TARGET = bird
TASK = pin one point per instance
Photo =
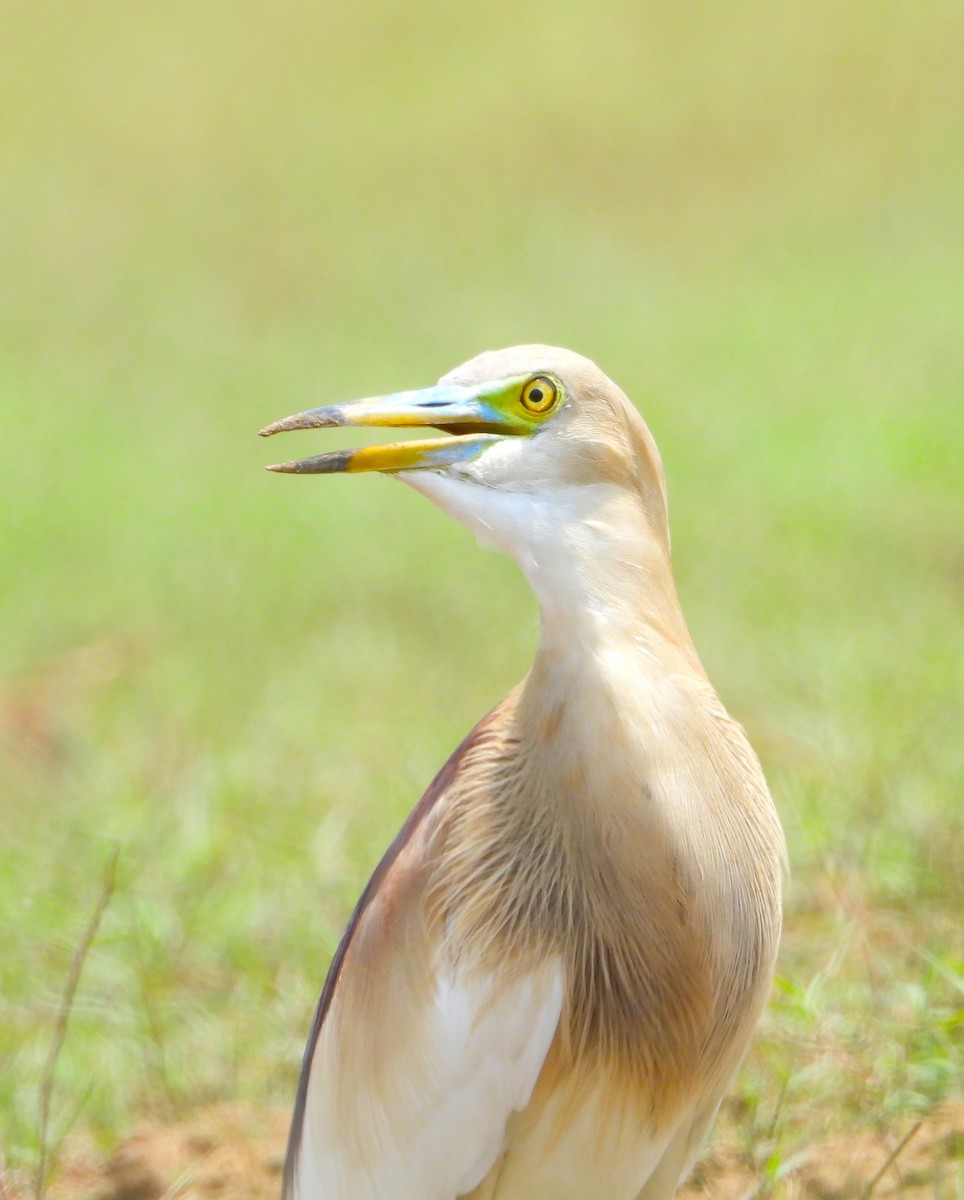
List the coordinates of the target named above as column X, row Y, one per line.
column 554, row 972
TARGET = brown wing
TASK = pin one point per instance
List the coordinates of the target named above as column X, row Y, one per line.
column 436, row 789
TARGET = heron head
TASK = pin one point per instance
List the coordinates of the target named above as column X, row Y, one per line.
column 534, row 436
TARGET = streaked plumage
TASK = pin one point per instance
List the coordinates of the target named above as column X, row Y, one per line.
column 554, row 973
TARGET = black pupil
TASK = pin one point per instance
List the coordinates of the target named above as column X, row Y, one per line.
column 535, row 395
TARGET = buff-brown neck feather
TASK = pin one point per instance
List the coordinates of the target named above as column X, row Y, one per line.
column 603, row 817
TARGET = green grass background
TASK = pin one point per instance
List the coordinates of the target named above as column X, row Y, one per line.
column 214, row 214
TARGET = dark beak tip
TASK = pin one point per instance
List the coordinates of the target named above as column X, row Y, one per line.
column 329, row 418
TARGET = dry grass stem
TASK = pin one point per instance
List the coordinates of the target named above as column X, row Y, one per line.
column 49, row 1076
column 889, row 1162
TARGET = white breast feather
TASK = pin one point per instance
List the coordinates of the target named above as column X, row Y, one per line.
column 486, row 1045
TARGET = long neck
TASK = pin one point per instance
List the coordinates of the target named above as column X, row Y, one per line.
column 614, row 645
column 610, row 615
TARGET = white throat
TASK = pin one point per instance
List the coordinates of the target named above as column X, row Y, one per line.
column 598, row 570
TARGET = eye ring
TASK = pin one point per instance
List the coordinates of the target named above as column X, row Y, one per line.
column 539, row 394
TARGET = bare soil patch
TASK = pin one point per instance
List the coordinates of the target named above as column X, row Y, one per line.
column 235, row 1152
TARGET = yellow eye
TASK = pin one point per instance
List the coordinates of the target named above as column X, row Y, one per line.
column 539, row 394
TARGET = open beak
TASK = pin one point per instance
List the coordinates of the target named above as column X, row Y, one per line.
column 468, row 412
